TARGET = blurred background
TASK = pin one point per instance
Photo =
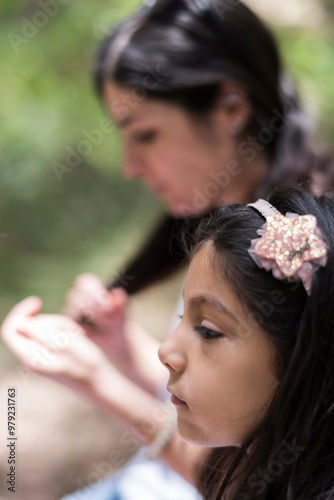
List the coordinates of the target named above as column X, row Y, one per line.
column 54, row 227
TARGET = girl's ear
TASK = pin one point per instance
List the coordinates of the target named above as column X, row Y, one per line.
column 235, row 109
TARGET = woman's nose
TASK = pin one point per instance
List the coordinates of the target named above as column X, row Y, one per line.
column 132, row 169
column 171, row 355
column 133, row 165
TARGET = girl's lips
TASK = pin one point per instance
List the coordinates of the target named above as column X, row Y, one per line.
column 176, row 401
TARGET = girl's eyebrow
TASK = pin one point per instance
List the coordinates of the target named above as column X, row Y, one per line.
column 213, row 302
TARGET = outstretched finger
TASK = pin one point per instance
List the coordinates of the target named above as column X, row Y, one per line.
column 118, row 300
column 26, row 308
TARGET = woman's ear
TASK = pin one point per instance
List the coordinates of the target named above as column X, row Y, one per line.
column 235, row 109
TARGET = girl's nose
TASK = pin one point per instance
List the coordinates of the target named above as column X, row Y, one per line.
column 171, row 355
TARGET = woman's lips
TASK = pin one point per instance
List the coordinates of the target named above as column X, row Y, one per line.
column 160, row 190
column 157, row 189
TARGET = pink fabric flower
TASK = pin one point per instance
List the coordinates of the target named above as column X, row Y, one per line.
column 290, row 246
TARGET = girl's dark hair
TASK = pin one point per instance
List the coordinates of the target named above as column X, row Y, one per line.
column 182, row 54
column 290, row 455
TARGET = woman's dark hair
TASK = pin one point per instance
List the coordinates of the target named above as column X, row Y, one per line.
column 290, row 455
column 181, row 53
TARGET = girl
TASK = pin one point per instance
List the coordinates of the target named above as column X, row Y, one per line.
column 251, row 364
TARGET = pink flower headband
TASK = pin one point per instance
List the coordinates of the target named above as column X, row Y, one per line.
column 291, row 246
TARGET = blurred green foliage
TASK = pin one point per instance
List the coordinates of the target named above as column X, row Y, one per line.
column 89, row 221
column 310, row 58
column 93, row 219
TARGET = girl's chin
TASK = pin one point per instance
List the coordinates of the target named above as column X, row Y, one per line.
column 190, row 433
column 198, row 436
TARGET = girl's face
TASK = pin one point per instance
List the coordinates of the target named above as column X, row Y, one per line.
column 221, row 368
column 186, row 164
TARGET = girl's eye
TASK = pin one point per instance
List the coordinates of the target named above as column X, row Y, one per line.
column 145, row 137
column 206, row 333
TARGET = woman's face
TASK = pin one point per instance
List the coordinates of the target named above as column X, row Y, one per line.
column 221, row 369
column 186, row 164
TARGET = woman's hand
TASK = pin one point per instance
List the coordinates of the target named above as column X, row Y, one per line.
column 52, row 345
column 101, row 313
column 105, row 321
